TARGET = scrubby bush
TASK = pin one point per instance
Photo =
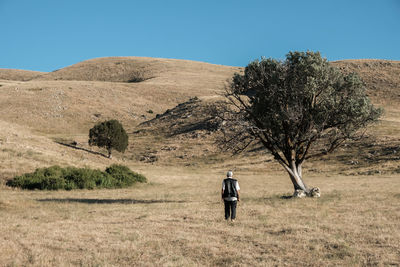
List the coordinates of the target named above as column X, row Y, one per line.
column 55, row 177
column 43, row 178
column 124, row 176
column 86, row 178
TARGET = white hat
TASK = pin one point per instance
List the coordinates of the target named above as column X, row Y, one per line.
column 229, row 174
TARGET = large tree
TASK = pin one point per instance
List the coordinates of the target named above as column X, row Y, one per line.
column 110, row 135
column 288, row 106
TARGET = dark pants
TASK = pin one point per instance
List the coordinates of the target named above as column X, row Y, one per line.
column 230, row 209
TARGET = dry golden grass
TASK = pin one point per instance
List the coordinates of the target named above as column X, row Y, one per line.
column 124, row 69
column 23, row 151
column 72, row 99
column 19, row 75
column 177, row 218
column 382, row 78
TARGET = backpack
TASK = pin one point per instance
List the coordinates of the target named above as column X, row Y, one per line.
column 230, row 188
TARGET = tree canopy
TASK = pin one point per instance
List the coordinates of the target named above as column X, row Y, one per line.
column 290, row 105
column 110, row 135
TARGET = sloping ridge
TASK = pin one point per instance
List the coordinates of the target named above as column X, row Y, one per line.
column 192, row 120
column 23, row 150
column 69, row 101
column 19, row 75
column 130, row 69
column 381, row 77
column 72, row 99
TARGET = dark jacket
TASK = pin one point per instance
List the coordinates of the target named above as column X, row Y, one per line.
column 230, row 188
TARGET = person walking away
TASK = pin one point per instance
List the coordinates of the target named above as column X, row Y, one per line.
column 230, row 195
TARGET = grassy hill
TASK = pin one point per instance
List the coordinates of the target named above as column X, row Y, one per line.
column 153, row 98
column 19, row 75
column 382, row 78
column 188, row 122
column 63, row 105
column 176, row 219
column 137, row 69
column 71, row 99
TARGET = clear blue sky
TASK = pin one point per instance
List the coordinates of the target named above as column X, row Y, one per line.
column 46, row 35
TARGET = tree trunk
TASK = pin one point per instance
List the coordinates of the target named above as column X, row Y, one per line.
column 300, row 188
column 298, row 183
column 295, row 174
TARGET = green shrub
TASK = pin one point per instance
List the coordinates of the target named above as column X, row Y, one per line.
column 124, row 176
column 55, row 177
column 43, row 178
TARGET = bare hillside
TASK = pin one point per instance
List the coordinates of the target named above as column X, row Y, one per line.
column 137, row 69
column 382, row 78
column 19, row 75
column 72, row 99
column 22, row 150
column 166, row 122
column 189, row 122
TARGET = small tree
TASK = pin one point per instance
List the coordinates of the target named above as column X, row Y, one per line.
column 290, row 105
column 109, row 134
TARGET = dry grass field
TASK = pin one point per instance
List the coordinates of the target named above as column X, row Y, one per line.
column 176, row 219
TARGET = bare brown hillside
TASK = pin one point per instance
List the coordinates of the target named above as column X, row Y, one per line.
column 19, row 75
column 154, row 100
column 137, row 69
column 72, row 99
column 189, row 122
column 382, row 78
column 49, row 108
